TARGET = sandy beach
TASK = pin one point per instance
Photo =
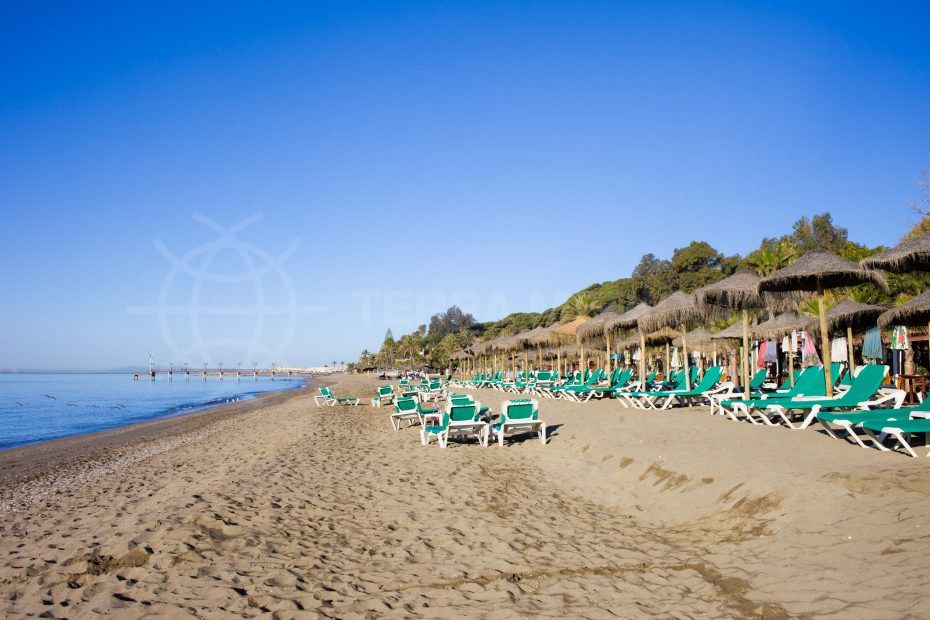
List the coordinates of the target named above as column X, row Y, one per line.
column 279, row 506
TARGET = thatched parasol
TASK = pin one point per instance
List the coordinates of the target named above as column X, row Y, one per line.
column 597, row 327
column 913, row 312
column 697, row 336
column 738, row 292
column 849, row 315
column 568, row 332
column 677, row 309
column 780, row 326
column 529, row 340
column 628, row 320
column 910, row 255
column 548, row 336
column 732, row 332
column 816, row 272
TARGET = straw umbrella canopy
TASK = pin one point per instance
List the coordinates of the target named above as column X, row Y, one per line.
column 547, row 336
column 568, row 332
column 508, row 344
column 849, row 315
column 913, row 312
column 738, row 292
column 697, row 336
column 779, row 326
column 529, row 340
column 816, row 272
column 910, row 255
column 629, row 320
column 597, row 327
column 733, row 332
column 677, row 309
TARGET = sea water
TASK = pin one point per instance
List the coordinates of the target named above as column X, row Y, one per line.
column 37, row 407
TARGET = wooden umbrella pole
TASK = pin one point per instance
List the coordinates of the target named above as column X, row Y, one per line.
column 581, row 363
column 607, row 338
column 684, row 348
column 745, row 367
column 791, row 358
column 558, row 360
column 825, row 342
column 849, row 349
column 668, row 359
column 642, row 359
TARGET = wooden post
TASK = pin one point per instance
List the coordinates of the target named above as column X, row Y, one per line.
column 668, row 359
column 607, row 338
column 745, row 368
column 642, row 359
column 791, row 358
column 850, row 350
column 685, row 360
column 825, row 342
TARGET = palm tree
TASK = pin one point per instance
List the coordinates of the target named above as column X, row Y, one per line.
column 768, row 259
column 579, row 305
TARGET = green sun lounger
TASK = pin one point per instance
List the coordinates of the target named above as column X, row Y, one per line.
column 809, row 383
column 326, row 397
column 861, row 394
column 700, row 391
column 521, row 415
column 639, row 398
column 899, row 429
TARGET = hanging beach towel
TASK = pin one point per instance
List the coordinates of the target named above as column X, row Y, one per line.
column 760, row 354
column 838, row 351
column 771, row 352
column 809, row 352
column 872, row 344
column 676, row 361
column 899, row 338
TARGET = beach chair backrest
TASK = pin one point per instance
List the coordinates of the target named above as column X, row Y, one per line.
column 847, row 379
column 463, row 413
column 443, row 424
column 679, row 381
column 810, row 383
column 709, row 380
column 520, row 409
column 866, row 384
column 623, row 378
column 695, row 373
column 385, row 390
column 461, row 399
column 758, row 379
column 324, row 391
column 402, row 405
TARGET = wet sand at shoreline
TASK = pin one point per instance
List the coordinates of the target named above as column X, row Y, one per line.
column 279, row 506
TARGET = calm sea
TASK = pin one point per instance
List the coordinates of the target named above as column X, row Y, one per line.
column 38, row 407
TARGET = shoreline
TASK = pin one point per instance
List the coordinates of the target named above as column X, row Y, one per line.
column 21, row 464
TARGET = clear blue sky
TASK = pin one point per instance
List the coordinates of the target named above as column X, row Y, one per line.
column 496, row 154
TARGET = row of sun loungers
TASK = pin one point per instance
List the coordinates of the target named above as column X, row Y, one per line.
column 863, row 409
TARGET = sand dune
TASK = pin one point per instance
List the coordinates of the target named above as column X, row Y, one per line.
column 297, row 510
